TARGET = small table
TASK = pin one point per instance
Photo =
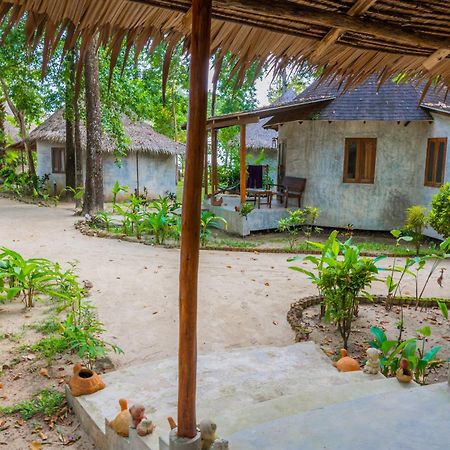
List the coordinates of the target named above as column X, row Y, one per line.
column 257, row 194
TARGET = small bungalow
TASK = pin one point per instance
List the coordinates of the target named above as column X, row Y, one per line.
column 150, row 164
column 367, row 153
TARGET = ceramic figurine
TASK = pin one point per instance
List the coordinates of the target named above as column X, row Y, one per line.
column 220, row 444
column 123, row 420
column 137, row 414
column 347, row 364
column 403, row 374
column 145, row 427
column 372, row 366
column 172, row 423
column 84, row 381
column 208, row 433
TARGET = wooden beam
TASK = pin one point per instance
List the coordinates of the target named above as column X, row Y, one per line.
column 261, row 12
column 231, row 122
column 214, row 177
column 190, row 226
column 333, row 35
column 438, row 56
column 243, row 164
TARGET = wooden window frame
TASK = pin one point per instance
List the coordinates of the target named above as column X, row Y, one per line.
column 358, row 179
column 58, row 166
column 433, row 182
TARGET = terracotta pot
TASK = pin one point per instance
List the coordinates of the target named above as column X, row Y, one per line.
column 347, row 364
column 216, row 202
column 404, row 375
column 84, row 381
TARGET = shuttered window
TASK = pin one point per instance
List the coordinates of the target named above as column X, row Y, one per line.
column 359, row 161
column 58, row 160
column 435, row 164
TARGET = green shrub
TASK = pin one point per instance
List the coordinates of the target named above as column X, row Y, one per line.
column 292, row 225
column 416, row 222
column 342, row 276
column 440, row 211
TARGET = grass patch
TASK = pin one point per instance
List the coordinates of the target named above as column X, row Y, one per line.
column 48, row 326
column 50, row 346
column 232, row 243
column 45, row 402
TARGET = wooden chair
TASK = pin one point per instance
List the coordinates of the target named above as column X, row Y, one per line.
column 291, row 187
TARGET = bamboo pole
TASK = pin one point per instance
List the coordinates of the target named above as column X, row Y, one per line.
column 190, row 242
column 243, row 164
column 214, row 178
column 206, row 177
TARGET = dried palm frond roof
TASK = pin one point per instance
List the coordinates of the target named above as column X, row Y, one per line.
column 142, row 137
column 351, row 39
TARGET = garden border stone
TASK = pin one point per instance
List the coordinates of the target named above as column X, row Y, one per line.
column 295, row 313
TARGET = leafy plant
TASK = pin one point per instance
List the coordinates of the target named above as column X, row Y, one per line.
column 207, row 220
column 413, row 350
column 416, row 222
column 291, row 225
column 117, row 188
column 105, row 219
column 45, row 402
column 245, row 209
column 312, row 213
column 440, row 211
column 342, row 276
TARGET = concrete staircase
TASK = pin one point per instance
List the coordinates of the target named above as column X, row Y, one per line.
column 263, row 398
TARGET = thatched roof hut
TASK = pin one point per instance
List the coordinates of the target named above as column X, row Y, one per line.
column 142, row 137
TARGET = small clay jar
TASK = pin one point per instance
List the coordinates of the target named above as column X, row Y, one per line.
column 403, row 374
column 347, row 364
column 84, row 381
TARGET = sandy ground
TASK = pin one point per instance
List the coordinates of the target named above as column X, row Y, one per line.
column 243, row 297
column 243, row 301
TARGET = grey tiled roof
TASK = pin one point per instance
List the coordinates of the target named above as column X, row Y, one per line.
column 368, row 101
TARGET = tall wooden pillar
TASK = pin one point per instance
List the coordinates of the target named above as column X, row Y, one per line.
column 206, row 177
column 243, row 164
column 190, row 228
column 214, row 178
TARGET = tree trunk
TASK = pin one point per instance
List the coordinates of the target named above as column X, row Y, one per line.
column 70, row 120
column 2, row 129
column 78, row 146
column 93, row 195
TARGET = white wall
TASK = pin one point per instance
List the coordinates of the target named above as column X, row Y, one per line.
column 315, row 151
column 44, row 166
column 156, row 172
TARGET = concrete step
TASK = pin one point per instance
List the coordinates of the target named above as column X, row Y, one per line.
column 310, row 398
column 406, row 419
column 227, row 381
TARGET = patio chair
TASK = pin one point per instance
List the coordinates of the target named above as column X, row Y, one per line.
column 290, row 187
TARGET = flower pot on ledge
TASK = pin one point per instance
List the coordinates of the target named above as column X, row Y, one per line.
column 85, row 381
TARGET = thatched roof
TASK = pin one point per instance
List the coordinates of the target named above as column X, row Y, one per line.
column 352, row 39
column 143, row 138
column 368, row 101
column 257, row 137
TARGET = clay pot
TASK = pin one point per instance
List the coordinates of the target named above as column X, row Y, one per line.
column 347, row 364
column 216, row 201
column 403, row 374
column 123, row 421
column 84, row 381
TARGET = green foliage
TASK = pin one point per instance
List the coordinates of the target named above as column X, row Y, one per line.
column 292, row 224
column 341, row 276
column 440, row 211
column 207, row 220
column 27, row 277
column 46, row 402
column 245, row 209
column 416, row 222
column 117, row 189
column 413, row 350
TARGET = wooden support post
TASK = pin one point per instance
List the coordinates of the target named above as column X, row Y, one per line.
column 214, row 178
column 206, row 177
column 190, row 228
column 243, row 165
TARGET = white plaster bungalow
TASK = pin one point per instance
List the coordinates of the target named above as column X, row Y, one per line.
column 151, row 162
column 368, row 153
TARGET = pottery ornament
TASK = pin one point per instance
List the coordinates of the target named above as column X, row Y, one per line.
column 208, row 433
column 403, row 373
column 84, row 381
column 145, row 427
column 123, row 421
column 372, row 366
column 347, row 364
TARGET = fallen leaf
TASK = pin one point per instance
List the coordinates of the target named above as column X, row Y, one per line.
column 266, row 283
column 43, row 436
column 44, row 372
column 274, row 322
column 35, row 446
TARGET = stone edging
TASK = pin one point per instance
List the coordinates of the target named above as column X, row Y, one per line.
column 85, row 229
column 295, row 313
